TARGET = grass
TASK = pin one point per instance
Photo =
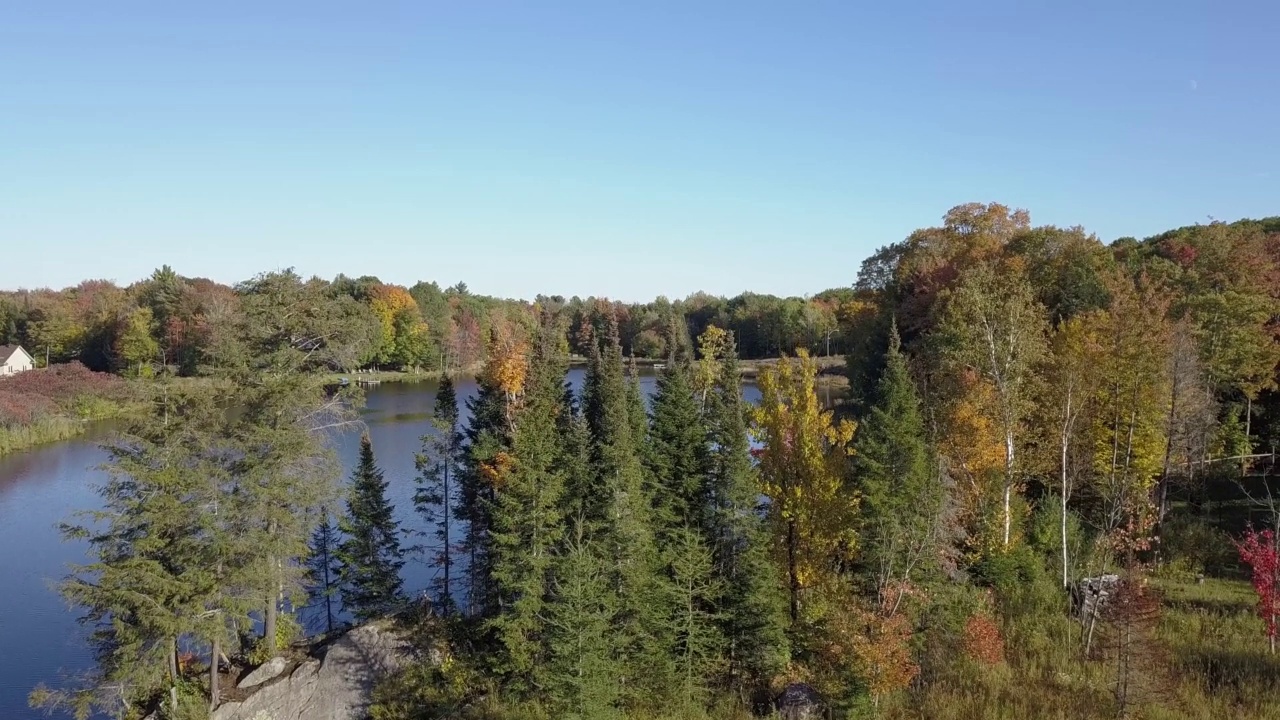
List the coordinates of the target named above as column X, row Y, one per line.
column 1210, row 661
column 46, row 429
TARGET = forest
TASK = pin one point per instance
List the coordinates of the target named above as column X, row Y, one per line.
column 1026, row 407
column 169, row 324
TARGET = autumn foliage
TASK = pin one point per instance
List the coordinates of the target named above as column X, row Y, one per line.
column 1258, row 550
column 983, row 641
column 802, row 467
column 28, row 396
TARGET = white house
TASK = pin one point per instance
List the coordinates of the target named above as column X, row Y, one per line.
column 13, row 360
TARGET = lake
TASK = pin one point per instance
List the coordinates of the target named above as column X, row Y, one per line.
column 40, row 639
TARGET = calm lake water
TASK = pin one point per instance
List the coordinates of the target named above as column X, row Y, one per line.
column 40, row 639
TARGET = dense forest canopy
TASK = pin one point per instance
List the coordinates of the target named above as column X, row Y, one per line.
column 1026, row 407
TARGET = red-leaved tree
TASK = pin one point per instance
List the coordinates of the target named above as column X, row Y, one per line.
column 1258, row 550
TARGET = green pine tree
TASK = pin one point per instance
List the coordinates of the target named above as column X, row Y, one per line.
column 322, row 567
column 157, row 542
column 370, row 556
column 436, row 495
column 583, row 669
column 678, row 452
column 625, row 532
column 699, row 642
column 753, row 607
column 286, row 470
column 636, row 413
column 528, row 523
column 900, row 497
column 575, row 458
column 487, row 435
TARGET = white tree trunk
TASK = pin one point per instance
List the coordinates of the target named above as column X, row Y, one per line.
column 1008, row 485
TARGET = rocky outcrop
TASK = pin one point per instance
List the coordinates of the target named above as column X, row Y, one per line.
column 1089, row 596
column 334, row 686
column 799, row 701
column 264, row 672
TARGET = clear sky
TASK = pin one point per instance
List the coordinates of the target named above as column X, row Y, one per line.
column 621, row 149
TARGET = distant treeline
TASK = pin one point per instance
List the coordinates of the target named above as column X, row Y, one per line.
column 171, row 322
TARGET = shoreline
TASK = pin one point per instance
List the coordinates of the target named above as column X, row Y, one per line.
column 59, row 428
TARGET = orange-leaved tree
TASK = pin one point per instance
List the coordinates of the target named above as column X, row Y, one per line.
column 507, row 367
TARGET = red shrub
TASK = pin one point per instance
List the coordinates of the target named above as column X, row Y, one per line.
column 1259, row 551
column 27, row 396
column 982, row 640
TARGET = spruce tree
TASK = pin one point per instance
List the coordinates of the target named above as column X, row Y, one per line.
column 900, row 497
column 637, row 414
column 528, row 523
column 322, row 567
column 486, row 436
column 698, row 640
column 370, row 556
column 623, row 507
column 752, row 609
column 583, row 666
column 575, row 458
column 678, row 452
column 436, row 495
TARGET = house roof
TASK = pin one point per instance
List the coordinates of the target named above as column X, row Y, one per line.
column 8, row 351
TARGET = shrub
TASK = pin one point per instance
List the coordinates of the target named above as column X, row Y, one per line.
column 983, row 641
column 1190, row 545
column 287, row 630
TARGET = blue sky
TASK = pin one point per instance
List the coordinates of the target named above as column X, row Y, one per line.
column 606, row 148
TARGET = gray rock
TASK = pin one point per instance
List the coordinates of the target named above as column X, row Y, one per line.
column 799, row 701
column 334, row 687
column 263, row 672
column 1089, row 595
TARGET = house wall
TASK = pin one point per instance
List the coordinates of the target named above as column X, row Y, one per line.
column 19, row 362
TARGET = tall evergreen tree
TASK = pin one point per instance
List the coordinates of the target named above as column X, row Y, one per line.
column 486, row 437
column 695, row 591
column 370, row 556
column 284, row 472
column 322, row 567
column 637, row 414
column 487, row 462
column 528, row 522
column 752, row 608
column 624, row 507
column 583, row 666
column 156, row 545
column 901, row 499
column 678, row 453
column 575, row 458
column 436, row 495
column 285, row 467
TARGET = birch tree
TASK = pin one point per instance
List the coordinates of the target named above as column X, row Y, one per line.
column 994, row 325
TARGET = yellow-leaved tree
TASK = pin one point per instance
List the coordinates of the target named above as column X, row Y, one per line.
column 1129, row 431
column 713, row 346
column 803, row 469
column 404, row 332
column 507, row 367
column 973, row 446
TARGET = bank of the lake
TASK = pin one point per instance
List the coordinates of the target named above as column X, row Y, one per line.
column 59, row 403
column 95, row 404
